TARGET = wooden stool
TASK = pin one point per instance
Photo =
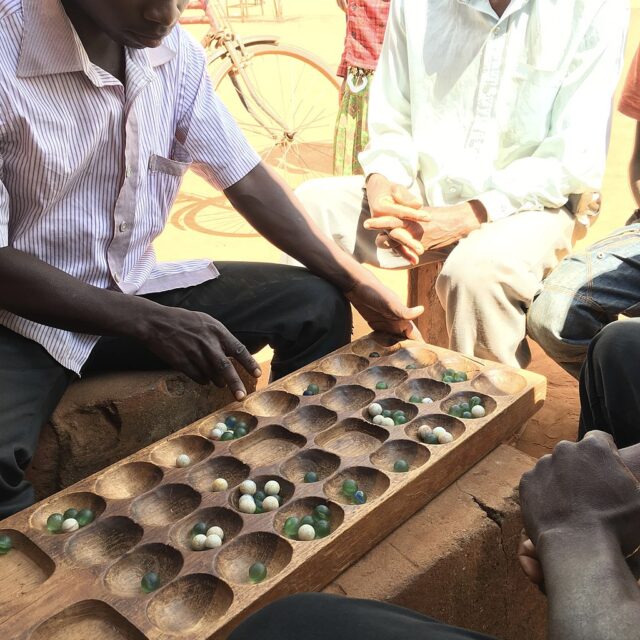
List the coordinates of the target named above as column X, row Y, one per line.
column 422, row 291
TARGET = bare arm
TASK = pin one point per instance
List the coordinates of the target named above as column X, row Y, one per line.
column 191, row 342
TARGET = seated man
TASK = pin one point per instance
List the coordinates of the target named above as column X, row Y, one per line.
column 95, row 134
column 581, row 509
column 485, row 117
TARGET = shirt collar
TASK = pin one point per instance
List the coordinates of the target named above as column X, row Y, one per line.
column 485, row 7
column 51, row 45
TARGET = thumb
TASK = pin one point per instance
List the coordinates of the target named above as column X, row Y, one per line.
column 411, row 313
column 403, row 196
column 413, row 333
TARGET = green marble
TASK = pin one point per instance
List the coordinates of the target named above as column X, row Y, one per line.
column 240, row 432
column 150, row 582
column 322, row 512
column 467, row 415
column 54, row 522
column 461, row 376
column 448, row 379
column 410, row 367
column 199, row 528
column 349, row 487
column 257, row 572
column 401, row 466
column 374, row 354
column 449, row 372
column 382, row 385
column 323, row 528
column 85, row 517
column 6, row 544
column 415, row 399
column 400, row 419
column 231, row 422
column 227, row 435
column 291, row 526
column 431, row 438
column 307, row 520
column 70, row 513
column 259, row 495
column 313, row 389
column 310, row 476
column 456, row 411
column 386, row 413
column 475, row 400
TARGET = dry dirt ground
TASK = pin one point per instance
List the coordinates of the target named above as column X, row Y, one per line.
column 319, row 27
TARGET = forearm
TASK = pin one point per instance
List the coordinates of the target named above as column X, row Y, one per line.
column 591, row 591
column 275, row 212
column 37, row 291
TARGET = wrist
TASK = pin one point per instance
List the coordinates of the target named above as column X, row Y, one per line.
column 553, row 543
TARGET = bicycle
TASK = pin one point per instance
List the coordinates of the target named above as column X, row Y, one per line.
column 283, row 97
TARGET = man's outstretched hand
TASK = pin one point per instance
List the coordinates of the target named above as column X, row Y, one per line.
column 383, row 309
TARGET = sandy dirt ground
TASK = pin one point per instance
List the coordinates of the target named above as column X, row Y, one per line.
column 200, row 227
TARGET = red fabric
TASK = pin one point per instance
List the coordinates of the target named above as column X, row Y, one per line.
column 366, row 24
column 630, row 100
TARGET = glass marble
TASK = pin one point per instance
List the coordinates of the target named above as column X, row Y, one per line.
column 240, row 432
column 415, row 399
column 307, row 520
column 314, row 389
column 323, row 528
column 374, row 354
column 306, row 392
column 401, row 466
column 227, row 435
column 474, row 400
column 291, row 526
column 311, row 476
column 70, row 513
column 467, row 415
column 199, row 528
column 382, row 385
column 410, row 367
column 6, row 544
column 359, row 497
column 465, row 407
column 431, row 438
column 456, row 410
column 150, row 582
column 54, row 522
column 386, row 413
column 259, row 495
column 322, row 512
column 349, row 487
column 231, row 422
column 448, row 379
column 85, row 517
column 461, row 376
column 257, row 572
column 242, row 425
column 449, row 372
column 400, row 420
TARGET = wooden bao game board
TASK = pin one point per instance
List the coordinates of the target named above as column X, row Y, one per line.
column 86, row 584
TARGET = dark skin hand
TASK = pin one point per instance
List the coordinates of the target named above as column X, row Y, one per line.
column 187, row 341
column 581, row 509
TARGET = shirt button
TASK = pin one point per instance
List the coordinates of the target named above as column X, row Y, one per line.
column 128, row 171
column 123, row 227
column 497, row 31
column 453, row 190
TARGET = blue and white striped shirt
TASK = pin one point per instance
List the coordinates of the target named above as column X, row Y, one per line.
column 89, row 169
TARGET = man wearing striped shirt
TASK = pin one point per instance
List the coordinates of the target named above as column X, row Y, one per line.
column 104, row 104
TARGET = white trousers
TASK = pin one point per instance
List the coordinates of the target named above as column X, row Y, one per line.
column 488, row 280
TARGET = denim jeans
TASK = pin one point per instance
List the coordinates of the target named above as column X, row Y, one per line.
column 586, row 292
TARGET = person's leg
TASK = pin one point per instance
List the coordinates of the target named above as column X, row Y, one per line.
column 298, row 314
column 31, row 385
column 609, row 389
column 584, row 293
column 318, row 616
column 492, row 276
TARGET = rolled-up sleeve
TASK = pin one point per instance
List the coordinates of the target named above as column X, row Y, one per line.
column 207, row 132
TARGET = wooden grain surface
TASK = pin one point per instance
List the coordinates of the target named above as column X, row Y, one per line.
column 86, row 584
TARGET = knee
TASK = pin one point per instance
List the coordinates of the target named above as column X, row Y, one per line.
column 322, row 304
column 547, row 321
column 468, row 273
column 615, row 344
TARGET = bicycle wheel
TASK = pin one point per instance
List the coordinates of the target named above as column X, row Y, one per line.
column 302, row 91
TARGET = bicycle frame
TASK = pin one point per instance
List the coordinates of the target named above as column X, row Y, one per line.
column 228, row 44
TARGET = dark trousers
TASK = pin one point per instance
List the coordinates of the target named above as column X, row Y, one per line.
column 318, row 616
column 299, row 315
column 610, row 383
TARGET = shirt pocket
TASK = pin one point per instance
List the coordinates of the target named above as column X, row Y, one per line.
column 535, row 95
column 165, row 177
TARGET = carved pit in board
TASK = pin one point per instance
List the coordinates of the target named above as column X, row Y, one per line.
column 23, row 569
column 233, row 562
column 124, row 577
column 344, row 364
column 87, row 619
column 454, row 426
column 390, row 452
column 196, row 447
column 310, row 419
column 165, row 505
column 305, row 507
column 189, row 605
column 271, row 403
column 107, row 540
column 128, row 480
column 457, row 363
column 267, row 445
column 373, row 482
column 348, row 397
column 499, row 382
column 413, row 357
column 424, row 388
column 381, row 343
column 241, row 416
column 62, row 502
column 286, row 491
column 227, row 467
column 228, row 520
column 298, row 384
column 488, row 402
column 393, row 404
column 352, row 437
column 321, row 462
column 392, row 376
